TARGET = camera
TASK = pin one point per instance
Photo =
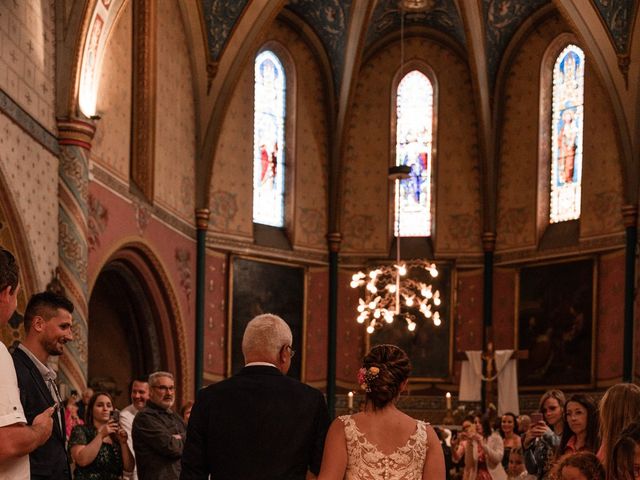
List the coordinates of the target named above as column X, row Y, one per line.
column 114, row 416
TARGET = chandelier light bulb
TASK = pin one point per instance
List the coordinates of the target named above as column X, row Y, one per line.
column 376, row 313
column 391, row 288
column 360, row 308
column 371, row 287
column 354, row 284
column 409, row 301
column 388, row 316
column 370, row 329
column 433, row 271
column 411, row 326
column 402, row 270
column 360, row 319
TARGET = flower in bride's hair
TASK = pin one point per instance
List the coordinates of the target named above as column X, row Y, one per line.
column 374, row 371
column 361, row 376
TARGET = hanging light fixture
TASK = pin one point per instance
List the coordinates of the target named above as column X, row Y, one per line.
column 403, row 290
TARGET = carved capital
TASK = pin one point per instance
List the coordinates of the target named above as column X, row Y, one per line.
column 334, row 239
column 488, row 241
column 202, row 218
column 76, row 132
column 630, row 215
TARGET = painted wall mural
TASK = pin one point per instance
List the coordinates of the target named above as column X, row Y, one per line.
column 220, row 17
column 618, row 16
column 443, row 16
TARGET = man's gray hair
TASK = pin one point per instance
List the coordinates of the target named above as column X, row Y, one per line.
column 265, row 336
column 156, row 375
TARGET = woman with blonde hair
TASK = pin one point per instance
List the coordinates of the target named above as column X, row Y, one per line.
column 619, row 406
column 382, row 442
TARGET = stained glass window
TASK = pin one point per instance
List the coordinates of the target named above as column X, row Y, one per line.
column 567, row 123
column 268, row 140
column 414, row 133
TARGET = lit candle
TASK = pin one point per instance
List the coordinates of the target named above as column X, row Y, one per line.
column 448, row 397
column 350, row 400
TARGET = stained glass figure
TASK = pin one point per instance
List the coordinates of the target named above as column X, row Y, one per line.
column 566, row 135
column 268, row 140
column 414, row 134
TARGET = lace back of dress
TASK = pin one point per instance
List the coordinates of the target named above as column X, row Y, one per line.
column 365, row 461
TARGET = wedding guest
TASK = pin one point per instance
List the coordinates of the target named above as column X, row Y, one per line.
column 619, row 406
column 99, row 448
column 139, row 394
column 581, row 426
column 524, row 422
column 543, row 437
column 357, row 445
column 625, row 456
column 84, row 401
column 483, row 452
column 71, row 417
column 579, row 466
column 185, row 411
column 517, row 470
column 509, row 434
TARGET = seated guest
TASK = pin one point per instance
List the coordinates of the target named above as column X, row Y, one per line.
column 625, row 457
column 581, row 425
column 99, row 448
column 516, row 470
column 71, row 417
column 619, row 406
column 509, row 434
column 579, row 466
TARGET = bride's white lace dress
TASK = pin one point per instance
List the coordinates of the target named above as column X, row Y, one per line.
column 366, row 462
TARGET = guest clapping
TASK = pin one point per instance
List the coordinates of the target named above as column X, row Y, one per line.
column 99, row 448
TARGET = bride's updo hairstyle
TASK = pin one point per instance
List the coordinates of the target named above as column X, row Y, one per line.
column 383, row 371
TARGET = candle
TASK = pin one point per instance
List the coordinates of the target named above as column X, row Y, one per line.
column 448, row 397
column 350, row 400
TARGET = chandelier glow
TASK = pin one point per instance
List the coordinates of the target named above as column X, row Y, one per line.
column 394, row 291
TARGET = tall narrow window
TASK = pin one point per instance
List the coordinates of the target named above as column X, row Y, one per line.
column 567, row 123
column 268, row 140
column 414, row 134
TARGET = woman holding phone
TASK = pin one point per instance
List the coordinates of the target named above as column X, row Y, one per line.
column 543, row 438
column 99, row 448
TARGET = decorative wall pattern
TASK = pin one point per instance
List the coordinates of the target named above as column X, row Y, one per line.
column 317, row 314
column 31, row 172
column 502, row 19
column 27, row 37
column 618, row 17
column 112, row 143
column 220, row 17
column 468, row 313
column 351, row 347
column 215, row 315
column 330, row 21
column 610, row 317
column 175, row 147
column 442, row 16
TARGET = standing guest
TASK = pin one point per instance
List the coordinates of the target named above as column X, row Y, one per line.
column 459, row 443
column 581, row 426
column 483, row 452
column 71, row 417
column 139, row 394
column 543, row 438
column 17, row 439
column 159, row 432
column 579, row 466
column 357, row 444
column 84, row 401
column 619, row 406
column 625, row 457
column 517, row 470
column 259, row 423
column 47, row 326
column 100, row 448
column 185, row 411
column 524, row 422
column 509, row 434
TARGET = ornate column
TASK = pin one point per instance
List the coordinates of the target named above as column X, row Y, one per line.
column 202, row 225
column 75, row 137
column 334, row 239
column 630, row 217
column 489, row 246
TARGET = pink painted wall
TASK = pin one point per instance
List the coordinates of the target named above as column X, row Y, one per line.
column 215, row 332
column 351, row 341
column 610, row 317
column 317, row 319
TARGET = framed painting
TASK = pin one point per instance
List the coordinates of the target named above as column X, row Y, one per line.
column 429, row 347
column 265, row 287
column 555, row 312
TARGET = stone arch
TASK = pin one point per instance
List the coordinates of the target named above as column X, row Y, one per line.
column 133, row 296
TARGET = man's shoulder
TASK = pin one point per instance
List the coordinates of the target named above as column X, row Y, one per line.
column 129, row 411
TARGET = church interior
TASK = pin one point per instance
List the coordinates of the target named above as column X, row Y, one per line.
column 177, row 167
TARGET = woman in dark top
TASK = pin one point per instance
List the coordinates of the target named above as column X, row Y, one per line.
column 581, row 426
column 509, row 434
column 99, row 448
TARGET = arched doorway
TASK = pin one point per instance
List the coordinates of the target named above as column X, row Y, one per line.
column 134, row 324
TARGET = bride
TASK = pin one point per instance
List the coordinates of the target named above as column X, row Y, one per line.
column 382, row 442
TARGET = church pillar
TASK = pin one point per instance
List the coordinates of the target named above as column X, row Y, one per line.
column 74, row 138
column 334, row 239
column 630, row 216
column 202, row 224
column 488, row 245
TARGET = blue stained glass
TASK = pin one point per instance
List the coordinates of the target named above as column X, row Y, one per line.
column 268, row 140
column 567, row 125
column 414, row 135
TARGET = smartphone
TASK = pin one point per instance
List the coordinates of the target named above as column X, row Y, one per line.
column 114, row 416
column 536, row 417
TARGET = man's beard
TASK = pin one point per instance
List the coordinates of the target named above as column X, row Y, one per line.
column 51, row 347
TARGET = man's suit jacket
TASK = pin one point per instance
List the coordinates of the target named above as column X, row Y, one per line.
column 258, row 424
column 50, row 460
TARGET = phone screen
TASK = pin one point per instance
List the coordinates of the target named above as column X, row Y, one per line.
column 536, row 417
column 115, row 416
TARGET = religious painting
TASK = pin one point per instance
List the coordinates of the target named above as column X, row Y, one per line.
column 263, row 287
column 555, row 308
column 414, row 136
column 429, row 346
column 566, row 135
column 268, row 140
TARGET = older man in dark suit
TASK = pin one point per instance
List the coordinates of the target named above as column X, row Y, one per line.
column 47, row 323
column 258, row 424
